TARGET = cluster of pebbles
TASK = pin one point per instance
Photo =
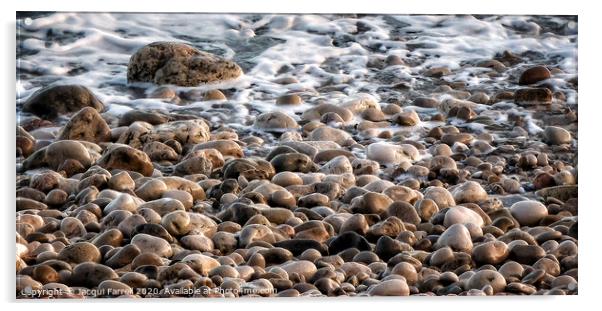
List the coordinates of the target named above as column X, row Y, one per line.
column 351, row 199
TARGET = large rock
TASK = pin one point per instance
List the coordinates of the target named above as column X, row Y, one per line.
column 87, row 125
column 179, row 64
column 52, row 101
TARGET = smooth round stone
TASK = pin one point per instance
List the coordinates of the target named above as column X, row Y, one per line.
column 80, row 252
column 122, row 181
column 469, row 192
column 275, row 120
column 163, row 206
column 484, row 278
column 197, row 242
column 406, row 118
column 124, row 157
column 425, row 102
column 404, row 211
column 300, row 267
column 555, row 135
column 528, row 213
column 371, row 203
column 393, row 287
column 385, row 153
column 183, row 196
column 534, row 75
column 225, row 242
column 201, row 263
column 462, row 215
column 86, row 125
column 214, row 95
column 441, row 196
column 356, row 223
column 224, row 272
column 72, row 227
column 348, row 240
column 285, row 179
column 150, row 244
column 326, row 133
column 564, row 281
column 492, row 252
column 177, row 222
column 51, row 101
column 124, row 202
column 123, row 256
column 91, row 274
column 407, row 270
column 289, row 99
column 338, row 165
column 456, row 237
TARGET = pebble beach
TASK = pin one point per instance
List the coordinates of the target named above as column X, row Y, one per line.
column 257, row 155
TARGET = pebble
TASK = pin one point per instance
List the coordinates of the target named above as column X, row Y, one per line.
column 528, row 213
column 484, row 278
column 457, row 237
column 469, row 192
column 462, row 215
column 394, row 287
column 51, row 101
column 80, row 252
column 150, row 244
column 126, row 158
column 556, row 135
column 534, row 75
column 275, row 120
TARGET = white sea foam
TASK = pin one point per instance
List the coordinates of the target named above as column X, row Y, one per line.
column 93, row 49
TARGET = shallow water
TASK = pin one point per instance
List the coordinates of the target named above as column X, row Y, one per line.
column 330, row 55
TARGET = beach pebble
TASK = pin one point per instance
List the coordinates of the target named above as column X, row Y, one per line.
column 556, row 135
column 51, row 101
column 462, row 215
column 330, row 134
column 88, row 125
column 126, row 158
column 80, row 252
column 393, row 287
column 528, row 213
column 289, row 99
column 484, row 278
column 534, row 75
column 469, row 192
column 150, row 244
column 385, row 153
column 275, row 120
column 492, row 252
column 301, row 267
column 91, row 274
column 457, row 237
